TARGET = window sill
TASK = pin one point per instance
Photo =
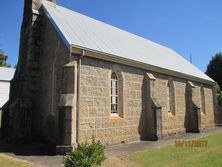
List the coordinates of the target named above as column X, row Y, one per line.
column 171, row 114
column 115, row 118
column 202, row 113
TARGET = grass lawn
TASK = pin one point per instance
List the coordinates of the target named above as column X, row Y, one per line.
column 182, row 156
column 10, row 161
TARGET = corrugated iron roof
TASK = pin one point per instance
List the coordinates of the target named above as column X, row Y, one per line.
column 83, row 31
column 6, row 74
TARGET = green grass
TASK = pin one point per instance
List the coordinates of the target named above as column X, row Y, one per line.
column 10, row 161
column 182, row 156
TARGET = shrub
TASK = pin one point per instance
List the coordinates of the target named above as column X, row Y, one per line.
column 219, row 98
column 85, row 155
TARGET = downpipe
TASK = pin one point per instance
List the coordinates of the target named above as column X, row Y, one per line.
column 78, row 98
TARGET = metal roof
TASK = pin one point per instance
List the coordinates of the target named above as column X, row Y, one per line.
column 6, row 74
column 82, row 31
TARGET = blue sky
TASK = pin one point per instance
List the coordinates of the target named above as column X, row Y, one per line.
column 186, row 26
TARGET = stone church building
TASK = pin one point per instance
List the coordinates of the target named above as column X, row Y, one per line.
column 78, row 77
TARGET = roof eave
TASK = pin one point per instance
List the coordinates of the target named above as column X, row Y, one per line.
column 5, row 80
column 121, row 60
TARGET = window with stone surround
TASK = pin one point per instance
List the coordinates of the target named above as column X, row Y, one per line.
column 114, row 94
column 202, row 98
column 170, row 98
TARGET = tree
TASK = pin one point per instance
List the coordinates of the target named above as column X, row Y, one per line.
column 3, row 59
column 219, row 98
column 214, row 69
column 219, row 95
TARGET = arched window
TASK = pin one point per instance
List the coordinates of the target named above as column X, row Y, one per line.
column 202, row 98
column 170, row 97
column 114, row 94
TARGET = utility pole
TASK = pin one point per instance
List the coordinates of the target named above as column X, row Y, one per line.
column 191, row 58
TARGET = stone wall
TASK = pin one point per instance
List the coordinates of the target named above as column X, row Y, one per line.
column 131, row 125
column 19, row 114
column 207, row 119
column 54, row 55
column 169, row 120
column 95, row 102
column 32, row 111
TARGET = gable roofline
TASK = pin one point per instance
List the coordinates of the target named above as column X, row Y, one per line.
column 120, row 60
column 60, row 32
column 63, row 24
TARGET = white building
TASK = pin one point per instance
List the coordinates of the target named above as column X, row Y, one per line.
column 6, row 74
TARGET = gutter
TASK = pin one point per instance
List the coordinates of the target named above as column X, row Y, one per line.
column 117, row 59
column 5, row 81
column 78, row 97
